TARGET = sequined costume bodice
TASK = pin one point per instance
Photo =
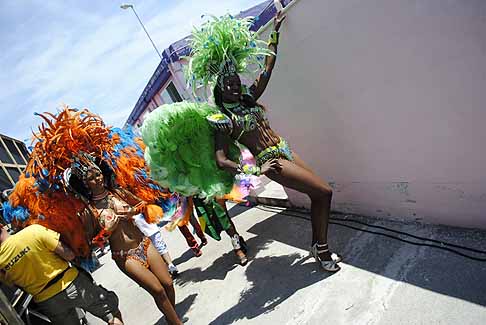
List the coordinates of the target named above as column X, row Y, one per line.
column 126, row 235
column 250, row 127
column 244, row 119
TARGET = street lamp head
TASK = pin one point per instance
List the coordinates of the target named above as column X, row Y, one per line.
column 126, row 6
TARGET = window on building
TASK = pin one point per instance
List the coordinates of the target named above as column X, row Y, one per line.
column 164, row 95
column 4, row 156
column 170, row 94
column 5, row 183
column 174, row 94
column 14, row 173
column 24, row 151
column 13, row 150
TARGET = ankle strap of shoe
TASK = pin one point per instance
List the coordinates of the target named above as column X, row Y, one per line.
column 235, row 240
column 321, row 248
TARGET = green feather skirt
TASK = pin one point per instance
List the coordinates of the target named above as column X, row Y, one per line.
column 181, row 152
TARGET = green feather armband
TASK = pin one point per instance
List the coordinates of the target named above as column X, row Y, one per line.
column 220, row 122
column 273, row 39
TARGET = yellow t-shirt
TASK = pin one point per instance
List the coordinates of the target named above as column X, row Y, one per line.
column 28, row 260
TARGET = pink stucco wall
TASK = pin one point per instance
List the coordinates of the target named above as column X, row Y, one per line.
column 386, row 99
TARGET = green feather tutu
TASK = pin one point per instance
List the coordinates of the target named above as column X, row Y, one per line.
column 180, row 150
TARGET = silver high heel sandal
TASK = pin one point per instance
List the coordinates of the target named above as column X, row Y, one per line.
column 235, row 241
column 335, row 257
column 330, row 266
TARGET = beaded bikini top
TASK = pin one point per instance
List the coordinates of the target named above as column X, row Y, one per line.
column 245, row 118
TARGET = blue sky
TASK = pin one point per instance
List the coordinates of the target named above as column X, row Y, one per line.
column 86, row 54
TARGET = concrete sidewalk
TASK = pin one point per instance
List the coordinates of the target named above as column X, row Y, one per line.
column 382, row 281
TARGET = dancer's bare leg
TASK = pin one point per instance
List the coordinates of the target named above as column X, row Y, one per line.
column 231, row 231
column 150, row 282
column 159, row 269
column 302, row 179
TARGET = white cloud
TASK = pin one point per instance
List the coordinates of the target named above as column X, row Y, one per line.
column 92, row 57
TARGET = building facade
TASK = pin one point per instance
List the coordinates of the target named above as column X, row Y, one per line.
column 168, row 85
column 13, row 160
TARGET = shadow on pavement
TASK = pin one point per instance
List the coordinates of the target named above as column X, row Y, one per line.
column 273, row 279
column 426, row 267
column 181, row 308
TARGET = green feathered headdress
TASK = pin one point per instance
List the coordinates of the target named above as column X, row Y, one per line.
column 222, row 46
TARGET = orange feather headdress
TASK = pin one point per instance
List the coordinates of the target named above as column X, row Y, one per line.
column 41, row 196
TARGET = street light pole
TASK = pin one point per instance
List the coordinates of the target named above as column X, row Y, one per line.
column 126, row 6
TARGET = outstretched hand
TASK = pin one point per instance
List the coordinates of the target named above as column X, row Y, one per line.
column 271, row 166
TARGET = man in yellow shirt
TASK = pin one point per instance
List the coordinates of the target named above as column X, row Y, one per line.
column 35, row 260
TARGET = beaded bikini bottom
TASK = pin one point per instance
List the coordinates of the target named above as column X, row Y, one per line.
column 281, row 150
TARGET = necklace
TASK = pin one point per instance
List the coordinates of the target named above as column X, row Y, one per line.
column 236, row 108
column 231, row 105
column 100, row 196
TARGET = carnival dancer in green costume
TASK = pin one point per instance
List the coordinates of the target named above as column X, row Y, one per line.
column 182, row 157
column 218, row 56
